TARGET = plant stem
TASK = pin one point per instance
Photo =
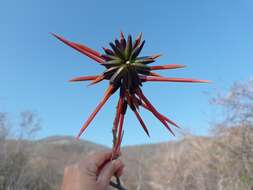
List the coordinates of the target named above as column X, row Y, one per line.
column 116, row 185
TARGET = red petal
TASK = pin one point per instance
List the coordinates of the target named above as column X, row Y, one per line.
column 119, row 140
column 119, row 108
column 154, row 74
column 170, row 121
column 128, row 98
column 82, row 49
column 107, row 50
column 83, row 78
column 163, row 79
column 115, row 126
column 154, row 111
column 97, row 80
column 108, row 93
column 138, row 40
column 122, row 35
column 155, row 56
column 135, row 101
column 164, row 117
column 169, row 66
column 141, row 122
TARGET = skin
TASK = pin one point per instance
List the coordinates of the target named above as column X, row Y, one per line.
column 92, row 173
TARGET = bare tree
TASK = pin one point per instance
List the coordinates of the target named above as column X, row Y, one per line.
column 235, row 137
column 223, row 161
column 30, row 124
column 19, row 167
column 237, row 104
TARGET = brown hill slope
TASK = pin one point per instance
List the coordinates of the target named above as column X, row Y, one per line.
column 223, row 161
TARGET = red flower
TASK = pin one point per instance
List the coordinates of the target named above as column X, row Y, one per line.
column 126, row 71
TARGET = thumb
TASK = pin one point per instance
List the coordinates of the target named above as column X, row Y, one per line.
column 108, row 171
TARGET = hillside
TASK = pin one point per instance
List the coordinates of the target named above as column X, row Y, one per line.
column 193, row 163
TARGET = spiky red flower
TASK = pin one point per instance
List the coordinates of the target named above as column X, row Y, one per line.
column 126, row 71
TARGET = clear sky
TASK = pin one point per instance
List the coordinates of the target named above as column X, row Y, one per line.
column 213, row 38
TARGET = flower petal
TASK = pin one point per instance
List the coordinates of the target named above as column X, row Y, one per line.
column 138, row 40
column 141, row 122
column 164, row 79
column 108, row 93
column 168, row 66
column 154, row 111
column 119, row 108
column 82, row 49
column 83, row 78
column 97, row 80
column 119, row 139
column 154, row 74
column 164, row 117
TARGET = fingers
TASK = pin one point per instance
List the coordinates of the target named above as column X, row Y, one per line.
column 99, row 168
column 95, row 170
column 111, row 168
column 94, row 160
column 119, row 172
column 99, row 158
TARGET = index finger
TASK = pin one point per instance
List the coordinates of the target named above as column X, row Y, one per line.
column 95, row 161
column 98, row 158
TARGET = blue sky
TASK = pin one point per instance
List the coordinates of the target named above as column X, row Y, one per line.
column 213, row 38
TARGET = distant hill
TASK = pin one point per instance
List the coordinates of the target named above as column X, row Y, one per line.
column 223, row 161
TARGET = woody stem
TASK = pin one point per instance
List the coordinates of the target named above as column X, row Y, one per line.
column 116, row 185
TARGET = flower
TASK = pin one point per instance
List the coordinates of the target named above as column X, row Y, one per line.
column 126, row 72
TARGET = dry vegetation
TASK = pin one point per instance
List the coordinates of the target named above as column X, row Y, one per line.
column 222, row 161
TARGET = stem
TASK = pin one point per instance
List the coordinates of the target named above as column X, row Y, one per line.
column 118, row 184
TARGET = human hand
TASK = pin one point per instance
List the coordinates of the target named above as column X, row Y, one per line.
column 92, row 173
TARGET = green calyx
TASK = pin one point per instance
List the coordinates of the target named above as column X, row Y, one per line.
column 123, row 64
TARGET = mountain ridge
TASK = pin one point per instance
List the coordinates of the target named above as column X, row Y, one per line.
column 191, row 163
